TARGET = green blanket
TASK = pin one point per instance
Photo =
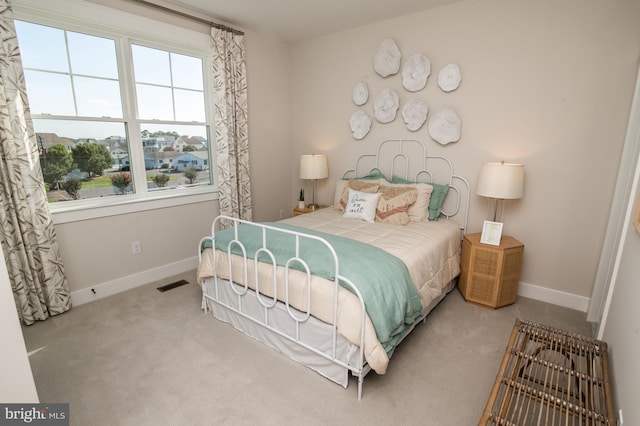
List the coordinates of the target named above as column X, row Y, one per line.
column 383, row 280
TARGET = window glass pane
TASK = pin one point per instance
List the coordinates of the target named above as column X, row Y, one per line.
column 189, row 105
column 49, row 55
column 83, row 159
column 175, row 156
column 151, row 65
column 167, row 99
column 154, row 102
column 51, row 89
column 49, row 93
column 93, row 56
column 97, row 97
column 186, row 71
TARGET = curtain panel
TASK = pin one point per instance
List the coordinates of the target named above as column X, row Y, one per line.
column 231, row 126
column 27, row 234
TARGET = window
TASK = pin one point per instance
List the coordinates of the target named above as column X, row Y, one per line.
column 114, row 115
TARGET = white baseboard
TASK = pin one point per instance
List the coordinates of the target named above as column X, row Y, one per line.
column 555, row 297
column 85, row 295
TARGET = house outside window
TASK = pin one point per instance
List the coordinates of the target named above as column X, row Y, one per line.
column 102, row 103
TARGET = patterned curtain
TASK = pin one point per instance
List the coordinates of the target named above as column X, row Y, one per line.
column 232, row 142
column 27, row 235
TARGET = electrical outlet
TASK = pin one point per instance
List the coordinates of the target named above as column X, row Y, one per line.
column 136, row 248
column 281, row 213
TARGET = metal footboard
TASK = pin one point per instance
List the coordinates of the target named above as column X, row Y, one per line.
column 300, row 316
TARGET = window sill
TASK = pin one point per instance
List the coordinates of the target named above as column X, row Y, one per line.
column 123, row 204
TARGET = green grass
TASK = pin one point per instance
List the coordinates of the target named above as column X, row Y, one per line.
column 105, row 181
column 95, row 183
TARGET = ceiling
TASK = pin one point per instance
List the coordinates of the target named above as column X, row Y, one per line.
column 295, row 20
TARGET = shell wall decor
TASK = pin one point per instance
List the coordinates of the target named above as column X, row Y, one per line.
column 385, row 105
column 449, row 77
column 386, row 59
column 360, row 93
column 414, row 114
column 444, row 126
column 415, row 72
column 360, row 124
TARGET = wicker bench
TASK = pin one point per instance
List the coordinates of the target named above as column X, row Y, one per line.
column 551, row 377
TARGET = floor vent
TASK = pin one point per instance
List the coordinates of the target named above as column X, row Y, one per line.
column 166, row 287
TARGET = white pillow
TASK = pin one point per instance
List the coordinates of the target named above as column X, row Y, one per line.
column 362, row 205
column 343, row 184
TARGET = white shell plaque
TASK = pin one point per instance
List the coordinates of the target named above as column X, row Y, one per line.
column 360, row 93
column 415, row 72
column 360, row 123
column 449, row 77
column 444, row 127
column 386, row 58
column 414, row 113
column 385, row 106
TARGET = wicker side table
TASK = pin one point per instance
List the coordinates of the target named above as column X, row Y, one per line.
column 489, row 275
column 549, row 377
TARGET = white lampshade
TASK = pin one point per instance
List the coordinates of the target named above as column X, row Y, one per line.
column 501, row 180
column 313, row 166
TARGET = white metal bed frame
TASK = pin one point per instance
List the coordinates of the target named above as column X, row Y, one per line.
column 458, row 184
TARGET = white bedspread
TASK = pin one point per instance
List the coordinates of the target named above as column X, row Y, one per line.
column 431, row 251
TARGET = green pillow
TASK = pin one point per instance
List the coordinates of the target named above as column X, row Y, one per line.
column 396, row 179
column 374, row 175
column 437, row 199
column 437, row 196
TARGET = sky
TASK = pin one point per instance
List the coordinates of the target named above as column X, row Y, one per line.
column 76, row 75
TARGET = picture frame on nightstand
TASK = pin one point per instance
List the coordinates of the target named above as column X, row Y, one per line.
column 491, row 233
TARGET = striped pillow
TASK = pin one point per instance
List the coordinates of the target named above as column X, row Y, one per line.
column 394, row 204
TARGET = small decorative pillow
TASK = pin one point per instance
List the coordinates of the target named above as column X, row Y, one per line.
column 418, row 211
column 357, row 185
column 361, row 205
column 394, row 204
column 437, row 199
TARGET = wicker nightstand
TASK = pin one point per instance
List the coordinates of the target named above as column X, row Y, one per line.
column 298, row 211
column 489, row 274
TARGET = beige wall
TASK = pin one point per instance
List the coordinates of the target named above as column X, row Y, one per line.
column 621, row 319
column 16, row 379
column 545, row 83
column 98, row 251
column 269, row 75
column 622, row 325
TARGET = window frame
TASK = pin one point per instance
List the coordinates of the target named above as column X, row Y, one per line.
column 127, row 29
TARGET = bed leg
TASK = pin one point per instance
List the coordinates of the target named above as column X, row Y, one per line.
column 360, row 380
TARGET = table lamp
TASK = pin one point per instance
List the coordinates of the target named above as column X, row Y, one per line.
column 500, row 181
column 313, row 167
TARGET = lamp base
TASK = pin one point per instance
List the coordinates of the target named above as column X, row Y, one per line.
column 313, row 206
column 496, row 209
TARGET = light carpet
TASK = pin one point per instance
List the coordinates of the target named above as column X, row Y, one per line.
column 143, row 357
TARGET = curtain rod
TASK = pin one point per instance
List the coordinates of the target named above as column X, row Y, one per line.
column 194, row 18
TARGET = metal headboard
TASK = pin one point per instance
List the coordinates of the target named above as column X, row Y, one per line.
column 408, row 160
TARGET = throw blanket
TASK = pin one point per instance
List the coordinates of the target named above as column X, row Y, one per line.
column 382, row 279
